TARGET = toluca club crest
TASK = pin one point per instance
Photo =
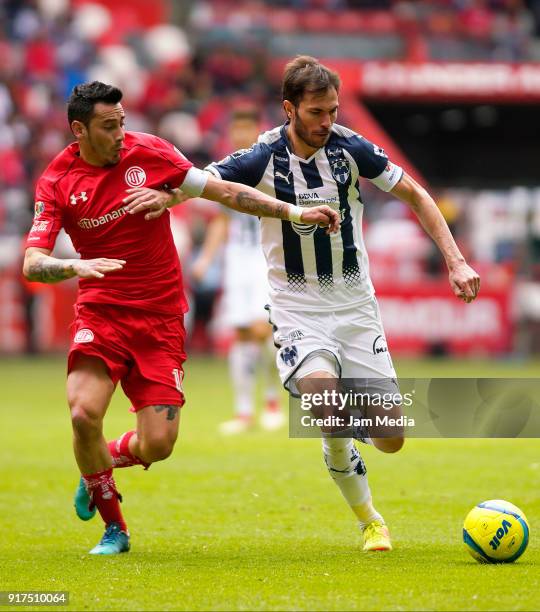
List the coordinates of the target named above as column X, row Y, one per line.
column 341, row 170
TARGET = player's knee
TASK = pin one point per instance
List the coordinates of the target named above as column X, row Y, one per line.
column 84, row 421
column 389, row 445
column 157, row 448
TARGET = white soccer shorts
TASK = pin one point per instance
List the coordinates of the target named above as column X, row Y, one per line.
column 348, row 343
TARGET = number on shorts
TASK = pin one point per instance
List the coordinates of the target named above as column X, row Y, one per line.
column 178, row 376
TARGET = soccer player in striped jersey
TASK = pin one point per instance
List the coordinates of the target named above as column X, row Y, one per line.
column 322, row 304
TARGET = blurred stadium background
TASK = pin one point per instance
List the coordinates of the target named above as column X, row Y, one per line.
column 450, row 88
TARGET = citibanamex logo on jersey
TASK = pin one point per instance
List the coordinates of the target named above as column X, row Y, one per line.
column 83, row 336
column 135, row 176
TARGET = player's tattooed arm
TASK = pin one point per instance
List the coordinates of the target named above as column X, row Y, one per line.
column 254, row 205
column 40, row 267
column 233, row 195
column 253, row 202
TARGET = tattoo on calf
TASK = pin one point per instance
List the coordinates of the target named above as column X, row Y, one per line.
column 172, row 411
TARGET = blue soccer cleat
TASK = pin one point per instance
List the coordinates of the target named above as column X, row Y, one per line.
column 114, row 541
column 82, row 503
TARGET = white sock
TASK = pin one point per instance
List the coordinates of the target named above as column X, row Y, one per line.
column 348, row 471
column 243, row 358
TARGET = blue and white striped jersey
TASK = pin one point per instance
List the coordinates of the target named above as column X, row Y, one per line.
column 306, row 267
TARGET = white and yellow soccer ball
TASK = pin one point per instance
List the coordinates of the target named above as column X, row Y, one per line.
column 496, row 531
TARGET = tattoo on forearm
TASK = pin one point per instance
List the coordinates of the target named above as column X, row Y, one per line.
column 251, row 204
column 45, row 271
column 172, row 411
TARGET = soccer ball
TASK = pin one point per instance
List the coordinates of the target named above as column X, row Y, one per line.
column 496, row 531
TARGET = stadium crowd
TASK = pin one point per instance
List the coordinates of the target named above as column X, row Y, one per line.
column 181, row 81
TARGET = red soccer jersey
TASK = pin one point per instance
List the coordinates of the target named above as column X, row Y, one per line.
column 87, row 202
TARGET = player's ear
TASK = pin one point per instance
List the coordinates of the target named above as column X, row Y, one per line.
column 289, row 108
column 78, row 128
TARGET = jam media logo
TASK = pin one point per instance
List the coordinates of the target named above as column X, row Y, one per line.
column 39, row 207
column 289, row 355
column 83, row 336
column 135, row 176
column 75, row 198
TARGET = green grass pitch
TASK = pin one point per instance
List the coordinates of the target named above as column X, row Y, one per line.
column 254, row 522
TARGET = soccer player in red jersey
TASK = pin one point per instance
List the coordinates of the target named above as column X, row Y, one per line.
column 128, row 326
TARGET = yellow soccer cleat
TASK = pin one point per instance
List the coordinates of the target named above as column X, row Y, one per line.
column 376, row 537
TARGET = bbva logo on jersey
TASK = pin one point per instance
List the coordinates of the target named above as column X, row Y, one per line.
column 341, row 170
column 135, row 176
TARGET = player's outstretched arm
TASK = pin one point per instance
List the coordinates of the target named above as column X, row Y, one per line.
column 464, row 281
column 40, row 267
column 233, row 195
column 253, row 202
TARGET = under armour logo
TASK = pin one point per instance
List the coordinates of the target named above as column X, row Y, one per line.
column 74, row 199
column 280, row 175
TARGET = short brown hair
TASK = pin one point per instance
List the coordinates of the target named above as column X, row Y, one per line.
column 306, row 74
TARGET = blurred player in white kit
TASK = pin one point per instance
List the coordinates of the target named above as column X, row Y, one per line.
column 245, row 294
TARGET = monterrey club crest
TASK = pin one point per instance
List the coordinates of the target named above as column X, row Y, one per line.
column 341, row 170
column 289, row 355
column 135, row 176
